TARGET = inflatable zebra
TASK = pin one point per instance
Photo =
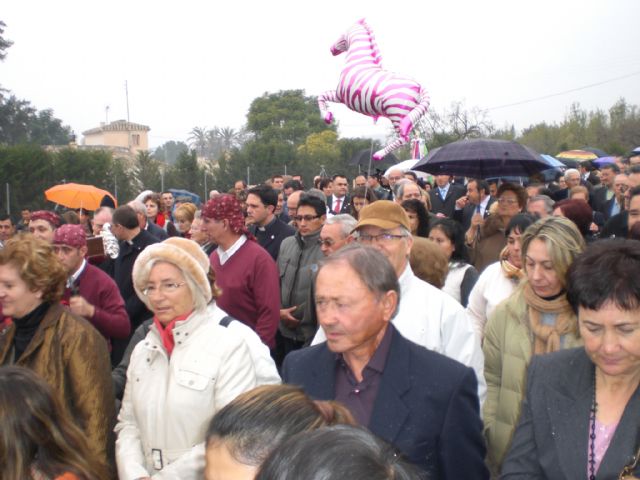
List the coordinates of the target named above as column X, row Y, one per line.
column 365, row 87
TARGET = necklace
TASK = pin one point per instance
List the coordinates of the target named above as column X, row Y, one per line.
column 592, row 435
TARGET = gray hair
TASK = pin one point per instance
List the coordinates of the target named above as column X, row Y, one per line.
column 138, row 207
column 372, row 267
column 314, row 192
column 346, row 221
column 570, row 171
column 547, row 201
column 103, row 209
column 398, row 188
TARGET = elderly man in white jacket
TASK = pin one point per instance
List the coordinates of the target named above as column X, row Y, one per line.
column 426, row 315
column 186, row 369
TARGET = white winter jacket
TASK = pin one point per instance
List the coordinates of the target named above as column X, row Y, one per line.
column 431, row 318
column 168, row 403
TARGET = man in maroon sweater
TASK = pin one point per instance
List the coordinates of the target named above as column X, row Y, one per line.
column 90, row 293
column 245, row 272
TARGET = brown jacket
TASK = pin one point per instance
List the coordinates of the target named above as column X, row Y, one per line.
column 72, row 357
column 486, row 248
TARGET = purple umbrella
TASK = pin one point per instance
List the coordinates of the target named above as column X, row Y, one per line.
column 604, row 160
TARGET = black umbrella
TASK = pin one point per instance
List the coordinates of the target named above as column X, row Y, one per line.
column 363, row 157
column 483, row 158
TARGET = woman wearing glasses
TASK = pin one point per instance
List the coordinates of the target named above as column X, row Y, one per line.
column 186, row 369
column 485, row 237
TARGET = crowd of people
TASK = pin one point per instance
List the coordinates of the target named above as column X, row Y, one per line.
column 382, row 327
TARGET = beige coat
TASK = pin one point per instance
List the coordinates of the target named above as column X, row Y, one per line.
column 507, row 350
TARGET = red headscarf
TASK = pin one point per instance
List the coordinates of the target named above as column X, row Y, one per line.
column 227, row 207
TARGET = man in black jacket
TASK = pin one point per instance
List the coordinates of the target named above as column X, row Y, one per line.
column 132, row 240
column 268, row 229
column 444, row 195
column 477, row 200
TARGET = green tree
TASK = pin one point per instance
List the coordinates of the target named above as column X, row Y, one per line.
column 22, row 123
column 169, row 151
column 4, row 43
column 186, row 173
column 198, row 140
column 147, row 170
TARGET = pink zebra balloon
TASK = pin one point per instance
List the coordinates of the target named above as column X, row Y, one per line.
column 365, row 87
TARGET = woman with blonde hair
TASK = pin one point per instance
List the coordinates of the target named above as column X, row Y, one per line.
column 184, row 215
column 535, row 319
column 38, row 440
column 243, row 433
column 64, row 350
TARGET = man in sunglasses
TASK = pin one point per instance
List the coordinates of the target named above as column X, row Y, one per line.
column 297, row 259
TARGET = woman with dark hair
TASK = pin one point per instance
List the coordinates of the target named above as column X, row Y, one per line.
column 64, row 350
column 485, row 237
column 361, row 197
column 580, row 213
column 38, row 440
column 581, row 412
column 499, row 279
column 536, row 319
column 462, row 277
column 418, row 217
column 153, row 204
column 244, row 432
column 336, row 453
column 326, row 185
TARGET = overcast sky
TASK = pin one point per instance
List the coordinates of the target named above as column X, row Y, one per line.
column 198, row 63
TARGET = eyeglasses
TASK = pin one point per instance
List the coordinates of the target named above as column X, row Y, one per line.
column 165, row 288
column 380, row 238
column 508, row 201
column 306, row 218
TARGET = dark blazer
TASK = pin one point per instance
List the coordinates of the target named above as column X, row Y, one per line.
column 617, row 226
column 344, row 208
column 446, row 205
column 464, row 215
column 157, row 231
column 427, row 405
column 272, row 235
column 552, row 438
column 123, row 266
column 598, row 199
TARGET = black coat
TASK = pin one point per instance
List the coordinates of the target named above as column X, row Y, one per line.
column 447, row 205
column 272, row 235
column 464, row 215
column 157, row 231
column 427, row 405
column 122, row 268
column 344, row 208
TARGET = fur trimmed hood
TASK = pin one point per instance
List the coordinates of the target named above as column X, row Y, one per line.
column 187, row 256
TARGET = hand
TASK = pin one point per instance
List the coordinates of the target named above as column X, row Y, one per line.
column 441, row 215
column 462, row 202
column 81, row 307
column 477, row 220
column 593, row 228
column 289, row 320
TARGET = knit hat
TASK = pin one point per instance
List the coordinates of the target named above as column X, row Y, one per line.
column 71, row 235
column 384, row 214
column 51, row 217
column 184, row 254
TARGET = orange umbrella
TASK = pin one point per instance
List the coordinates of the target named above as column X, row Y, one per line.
column 77, row 195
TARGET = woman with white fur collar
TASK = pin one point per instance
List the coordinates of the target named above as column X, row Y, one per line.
column 185, row 370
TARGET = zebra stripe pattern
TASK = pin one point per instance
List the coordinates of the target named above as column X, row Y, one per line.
column 365, row 87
